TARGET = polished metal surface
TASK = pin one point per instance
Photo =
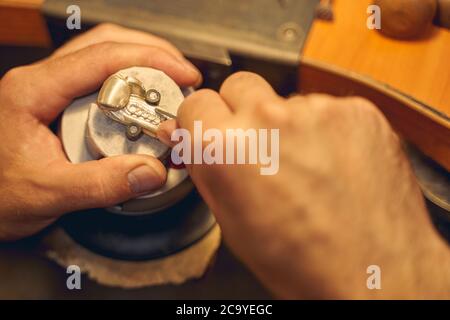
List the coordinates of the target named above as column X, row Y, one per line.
column 126, row 100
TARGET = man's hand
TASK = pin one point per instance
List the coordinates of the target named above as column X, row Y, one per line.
column 344, row 198
column 37, row 183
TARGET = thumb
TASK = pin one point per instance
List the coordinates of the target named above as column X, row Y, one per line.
column 107, row 182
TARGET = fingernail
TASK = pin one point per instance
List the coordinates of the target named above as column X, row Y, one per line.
column 164, row 137
column 165, row 131
column 144, row 179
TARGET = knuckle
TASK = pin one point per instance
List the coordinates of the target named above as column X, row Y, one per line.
column 299, row 107
column 329, row 112
column 106, row 28
column 329, row 109
column 237, row 77
column 326, row 108
column 320, row 102
column 365, row 106
column 12, row 76
column 204, row 94
column 104, row 46
column 200, row 96
column 296, row 99
column 369, row 117
column 15, row 87
column 359, row 101
column 369, row 112
column 197, row 98
column 164, row 44
column 108, row 50
column 241, row 75
column 271, row 112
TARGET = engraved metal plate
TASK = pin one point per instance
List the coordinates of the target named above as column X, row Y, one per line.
column 126, row 100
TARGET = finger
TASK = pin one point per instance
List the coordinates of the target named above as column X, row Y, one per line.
column 53, row 84
column 203, row 105
column 297, row 100
column 206, row 106
column 107, row 182
column 245, row 89
column 107, row 32
column 165, row 130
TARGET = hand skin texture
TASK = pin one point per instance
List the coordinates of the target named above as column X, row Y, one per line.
column 37, row 183
column 344, row 198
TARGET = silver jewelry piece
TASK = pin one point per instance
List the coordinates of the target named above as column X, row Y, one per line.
column 125, row 100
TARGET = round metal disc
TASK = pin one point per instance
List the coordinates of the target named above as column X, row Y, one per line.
column 87, row 134
column 107, row 138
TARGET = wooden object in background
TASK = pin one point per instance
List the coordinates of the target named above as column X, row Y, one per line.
column 21, row 23
column 415, row 122
column 406, row 19
column 443, row 14
column 420, row 68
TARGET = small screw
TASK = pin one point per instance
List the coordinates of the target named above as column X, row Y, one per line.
column 133, row 108
column 134, row 132
column 153, row 97
column 289, row 32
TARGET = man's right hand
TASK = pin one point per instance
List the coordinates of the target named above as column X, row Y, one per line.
column 344, row 198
